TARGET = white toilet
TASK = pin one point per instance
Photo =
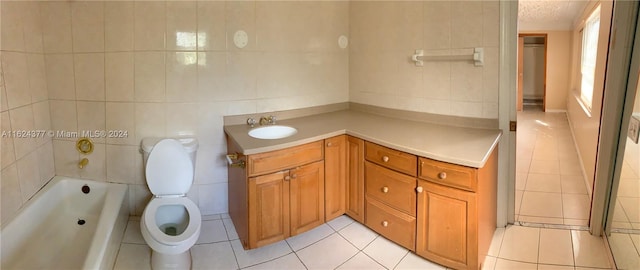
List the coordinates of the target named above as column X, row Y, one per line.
column 171, row 222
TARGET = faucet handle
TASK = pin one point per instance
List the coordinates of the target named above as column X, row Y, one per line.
column 251, row 122
column 272, row 120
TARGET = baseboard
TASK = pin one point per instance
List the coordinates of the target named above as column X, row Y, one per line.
column 555, row 111
column 575, row 144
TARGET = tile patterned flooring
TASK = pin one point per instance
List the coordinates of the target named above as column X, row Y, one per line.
column 344, row 244
column 550, row 186
column 550, row 189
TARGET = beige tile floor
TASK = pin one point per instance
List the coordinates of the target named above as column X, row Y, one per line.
column 345, row 244
column 550, row 186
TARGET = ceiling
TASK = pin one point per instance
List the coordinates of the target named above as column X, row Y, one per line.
column 548, row 14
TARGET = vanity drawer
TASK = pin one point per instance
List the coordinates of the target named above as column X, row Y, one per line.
column 448, row 174
column 390, row 223
column 392, row 159
column 284, row 159
column 390, row 187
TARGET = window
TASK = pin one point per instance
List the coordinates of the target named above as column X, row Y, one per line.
column 588, row 57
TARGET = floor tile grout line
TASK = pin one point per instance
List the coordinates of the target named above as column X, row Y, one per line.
column 296, row 253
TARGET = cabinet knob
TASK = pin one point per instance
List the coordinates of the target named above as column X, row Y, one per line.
column 385, row 189
column 442, row 175
column 385, row 158
column 287, row 178
column 294, row 176
column 329, row 144
column 419, row 189
column 385, row 224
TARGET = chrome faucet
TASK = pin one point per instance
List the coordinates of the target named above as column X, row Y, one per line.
column 271, row 120
column 251, row 122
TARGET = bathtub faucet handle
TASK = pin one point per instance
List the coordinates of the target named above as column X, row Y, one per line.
column 83, row 162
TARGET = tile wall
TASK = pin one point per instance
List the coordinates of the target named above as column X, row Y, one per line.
column 385, row 34
column 167, row 68
column 27, row 163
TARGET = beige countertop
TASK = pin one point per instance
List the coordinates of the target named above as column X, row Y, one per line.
column 459, row 145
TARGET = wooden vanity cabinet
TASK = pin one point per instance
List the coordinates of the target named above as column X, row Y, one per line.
column 278, row 194
column 335, row 181
column 390, row 182
column 355, row 179
column 456, row 212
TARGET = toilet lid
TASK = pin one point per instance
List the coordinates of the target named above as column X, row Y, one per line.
column 169, row 169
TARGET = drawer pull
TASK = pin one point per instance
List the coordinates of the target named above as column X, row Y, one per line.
column 385, row 159
column 419, row 189
column 287, row 178
column 442, row 175
column 329, row 144
column 294, row 176
column 385, row 224
column 385, row 189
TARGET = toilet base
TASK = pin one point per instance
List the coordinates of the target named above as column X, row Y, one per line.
column 161, row 261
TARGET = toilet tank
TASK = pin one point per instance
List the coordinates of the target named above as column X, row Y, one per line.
column 189, row 143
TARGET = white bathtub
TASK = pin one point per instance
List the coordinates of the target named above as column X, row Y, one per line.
column 47, row 232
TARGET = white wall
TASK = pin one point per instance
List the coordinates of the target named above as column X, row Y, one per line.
column 533, row 72
column 586, row 126
column 385, row 34
column 166, row 68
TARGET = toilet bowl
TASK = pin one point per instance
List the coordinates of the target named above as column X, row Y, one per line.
column 171, row 222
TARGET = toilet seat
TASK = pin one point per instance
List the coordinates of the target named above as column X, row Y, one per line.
column 188, row 237
column 169, row 170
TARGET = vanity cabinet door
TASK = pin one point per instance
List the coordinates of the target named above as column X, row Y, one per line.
column 268, row 209
column 306, row 197
column 335, row 175
column 355, row 178
column 447, row 226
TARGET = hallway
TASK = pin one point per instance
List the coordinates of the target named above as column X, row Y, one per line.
column 550, row 186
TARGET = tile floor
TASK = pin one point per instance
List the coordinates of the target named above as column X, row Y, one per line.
column 344, row 244
column 550, row 186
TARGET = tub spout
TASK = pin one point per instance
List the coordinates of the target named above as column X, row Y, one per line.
column 83, row 162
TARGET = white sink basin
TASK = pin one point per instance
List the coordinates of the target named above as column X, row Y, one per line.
column 272, row 132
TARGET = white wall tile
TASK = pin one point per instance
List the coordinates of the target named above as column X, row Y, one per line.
column 42, row 120
column 91, row 120
column 16, row 79
column 437, row 24
column 66, row 158
column 56, row 22
column 466, row 26
column 60, row 76
column 12, row 14
column 87, row 24
column 118, row 26
column 46, row 165
column 119, row 76
column 181, row 19
column 181, row 76
column 181, row 119
column 211, row 26
column 120, row 118
column 120, row 164
column 64, row 116
column 149, row 79
column 241, row 15
column 150, row 25
column 150, row 120
column 28, row 175
column 22, row 120
column 213, row 198
column 11, row 196
column 212, row 80
column 6, row 142
column 37, row 77
column 89, row 76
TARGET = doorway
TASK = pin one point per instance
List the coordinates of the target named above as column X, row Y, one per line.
column 532, row 71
